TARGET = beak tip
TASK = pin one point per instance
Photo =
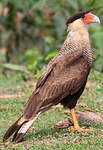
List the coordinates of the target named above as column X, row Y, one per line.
column 96, row 20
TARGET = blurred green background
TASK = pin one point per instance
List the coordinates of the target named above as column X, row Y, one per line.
column 31, row 31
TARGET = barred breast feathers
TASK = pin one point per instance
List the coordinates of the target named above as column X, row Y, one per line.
column 77, row 40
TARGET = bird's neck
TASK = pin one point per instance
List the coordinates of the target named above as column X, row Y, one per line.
column 77, row 40
column 78, row 32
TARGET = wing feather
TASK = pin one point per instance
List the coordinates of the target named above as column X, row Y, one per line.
column 66, row 83
column 63, row 76
column 60, row 61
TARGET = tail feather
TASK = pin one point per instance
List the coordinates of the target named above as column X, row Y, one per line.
column 19, row 129
column 21, row 126
column 23, row 129
column 15, row 127
column 18, row 138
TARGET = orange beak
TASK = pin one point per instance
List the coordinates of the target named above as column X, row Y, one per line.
column 90, row 18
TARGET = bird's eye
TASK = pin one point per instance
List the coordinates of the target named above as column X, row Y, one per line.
column 83, row 16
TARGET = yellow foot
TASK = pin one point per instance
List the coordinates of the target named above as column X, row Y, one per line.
column 73, row 129
column 83, row 129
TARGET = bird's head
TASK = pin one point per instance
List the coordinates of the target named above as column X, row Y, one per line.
column 84, row 17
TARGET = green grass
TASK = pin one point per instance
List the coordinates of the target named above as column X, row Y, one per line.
column 42, row 135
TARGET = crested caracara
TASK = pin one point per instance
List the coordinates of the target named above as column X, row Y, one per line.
column 63, row 80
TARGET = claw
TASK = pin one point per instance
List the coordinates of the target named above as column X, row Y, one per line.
column 82, row 129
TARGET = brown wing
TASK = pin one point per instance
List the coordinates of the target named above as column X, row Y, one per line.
column 58, row 61
column 46, row 73
column 65, row 76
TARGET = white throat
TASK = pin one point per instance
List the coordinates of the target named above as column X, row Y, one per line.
column 78, row 31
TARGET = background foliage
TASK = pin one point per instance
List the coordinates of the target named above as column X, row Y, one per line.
column 32, row 31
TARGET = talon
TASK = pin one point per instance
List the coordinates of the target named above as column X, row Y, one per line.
column 73, row 129
column 84, row 129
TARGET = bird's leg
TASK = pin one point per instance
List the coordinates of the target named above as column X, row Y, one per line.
column 75, row 126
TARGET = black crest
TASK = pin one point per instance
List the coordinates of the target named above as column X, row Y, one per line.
column 76, row 16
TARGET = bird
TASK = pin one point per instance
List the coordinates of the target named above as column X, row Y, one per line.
column 64, row 78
